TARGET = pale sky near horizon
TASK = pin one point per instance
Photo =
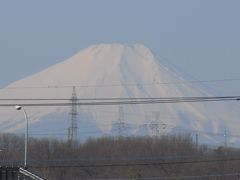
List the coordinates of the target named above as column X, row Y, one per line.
column 200, row 38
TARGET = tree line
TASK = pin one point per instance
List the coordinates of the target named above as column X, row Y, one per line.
column 121, row 157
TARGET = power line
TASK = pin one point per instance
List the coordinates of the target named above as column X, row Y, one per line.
column 106, row 162
column 178, row 177
column 122, row 98
column 175, row 69
column 125, row 101
column 57, row 132
column 70, row 163
column 121, row 85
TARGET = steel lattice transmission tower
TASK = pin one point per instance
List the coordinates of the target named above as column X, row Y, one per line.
column 120, row 123
column 154, row 125
column 225, row 138
column 72, row 130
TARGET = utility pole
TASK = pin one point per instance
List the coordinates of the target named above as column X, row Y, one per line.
column 72, row 130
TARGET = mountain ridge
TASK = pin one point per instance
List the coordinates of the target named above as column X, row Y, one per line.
column 110, row 71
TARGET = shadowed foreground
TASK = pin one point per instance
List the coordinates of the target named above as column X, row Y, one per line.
column 167, row 157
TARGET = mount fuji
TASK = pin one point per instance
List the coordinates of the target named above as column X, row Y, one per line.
column 115, row 71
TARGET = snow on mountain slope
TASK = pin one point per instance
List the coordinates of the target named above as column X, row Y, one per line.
column 113, row 71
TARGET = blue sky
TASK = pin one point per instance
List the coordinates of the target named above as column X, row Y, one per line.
column 200, row 38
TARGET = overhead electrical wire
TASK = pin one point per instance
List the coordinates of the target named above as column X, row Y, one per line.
column 118, row 101
column 178, row 177
column 122, row 98
column 122, row 85
column 175, row 69
column 64, row 164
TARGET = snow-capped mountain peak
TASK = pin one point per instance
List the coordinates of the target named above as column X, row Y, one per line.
column 113, row 71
